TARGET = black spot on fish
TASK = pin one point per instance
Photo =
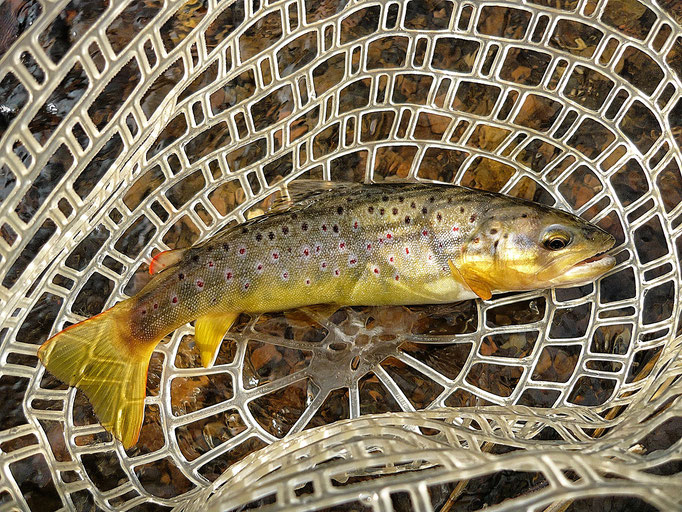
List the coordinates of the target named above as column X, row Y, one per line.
column 524, row 215
column 195, row 258
column 271, row 235
column 339, row 210
column 493, row 231
column 181, row 276
column 412, row 205
column 461, row 209
column 285, row 230
column 226, row 247
column 370, row 209
column 439, row 217
column 294, row 216
column 259, row 237
column 384, row 198
column 395, row 211
column 407, row 219
column 432, row 199
column 304, row 226
column 335, row 228
column 401, row 198
column 497, row 242
column 245, row 230
column 382, row 211
column 472, row 218
column 425, row 210
column 449, row 200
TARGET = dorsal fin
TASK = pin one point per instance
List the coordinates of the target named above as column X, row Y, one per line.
column 165, row 259
column 301, row 192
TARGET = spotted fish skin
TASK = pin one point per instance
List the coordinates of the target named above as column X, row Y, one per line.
column 373, row 245
column 350, row 245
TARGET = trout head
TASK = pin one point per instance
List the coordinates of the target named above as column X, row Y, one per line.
column 521, row 246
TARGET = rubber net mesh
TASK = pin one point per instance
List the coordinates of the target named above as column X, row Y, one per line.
column 129, row 128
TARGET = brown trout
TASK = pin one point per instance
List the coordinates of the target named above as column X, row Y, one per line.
column 343, row 244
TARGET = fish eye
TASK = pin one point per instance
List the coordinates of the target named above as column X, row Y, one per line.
column 556, row 240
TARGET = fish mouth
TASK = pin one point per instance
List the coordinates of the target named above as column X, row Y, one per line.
column 586, row 271
column 601, row 257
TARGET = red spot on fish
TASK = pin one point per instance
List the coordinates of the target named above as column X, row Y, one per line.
column 285, row 275
column 144, row 311
column 369, row 247
column 456, row 228
column 259, row 267
column 156, row 306
column 211, row 264
column 352, row 261
column 407, row 250
column 306, row 252
column 425, row 233
column 376, row 270
column 389, row 235
column 397, row 277
column 228, row 275
column 323, row 265
column 246, row 286
column 275, row 255
column 390, row 259
column 318, row 248
column 342, row 245
column 355, row 225
column 430, row 257
column 472, row 218
column 337, row 272
column 174, row 300
column 324, row 227
column 242, row 251
column 307, row 282
column 200, row 283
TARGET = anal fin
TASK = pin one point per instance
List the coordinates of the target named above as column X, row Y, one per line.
column 209, row 331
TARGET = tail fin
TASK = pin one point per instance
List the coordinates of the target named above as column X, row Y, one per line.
column 101, row 358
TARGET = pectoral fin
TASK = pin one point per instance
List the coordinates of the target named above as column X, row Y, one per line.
column 209, row 331
column 477, row 286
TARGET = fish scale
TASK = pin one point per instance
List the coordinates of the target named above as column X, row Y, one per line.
column 344, row 245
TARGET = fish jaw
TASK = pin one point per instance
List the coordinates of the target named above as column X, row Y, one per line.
column 590, row 266
column 584, row 271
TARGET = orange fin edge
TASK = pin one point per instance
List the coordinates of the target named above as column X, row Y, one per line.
column 164, row 260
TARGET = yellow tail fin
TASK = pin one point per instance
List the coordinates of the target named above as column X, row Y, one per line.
column 101, row 358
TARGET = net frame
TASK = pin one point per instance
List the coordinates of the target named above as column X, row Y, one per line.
column 76, row 209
